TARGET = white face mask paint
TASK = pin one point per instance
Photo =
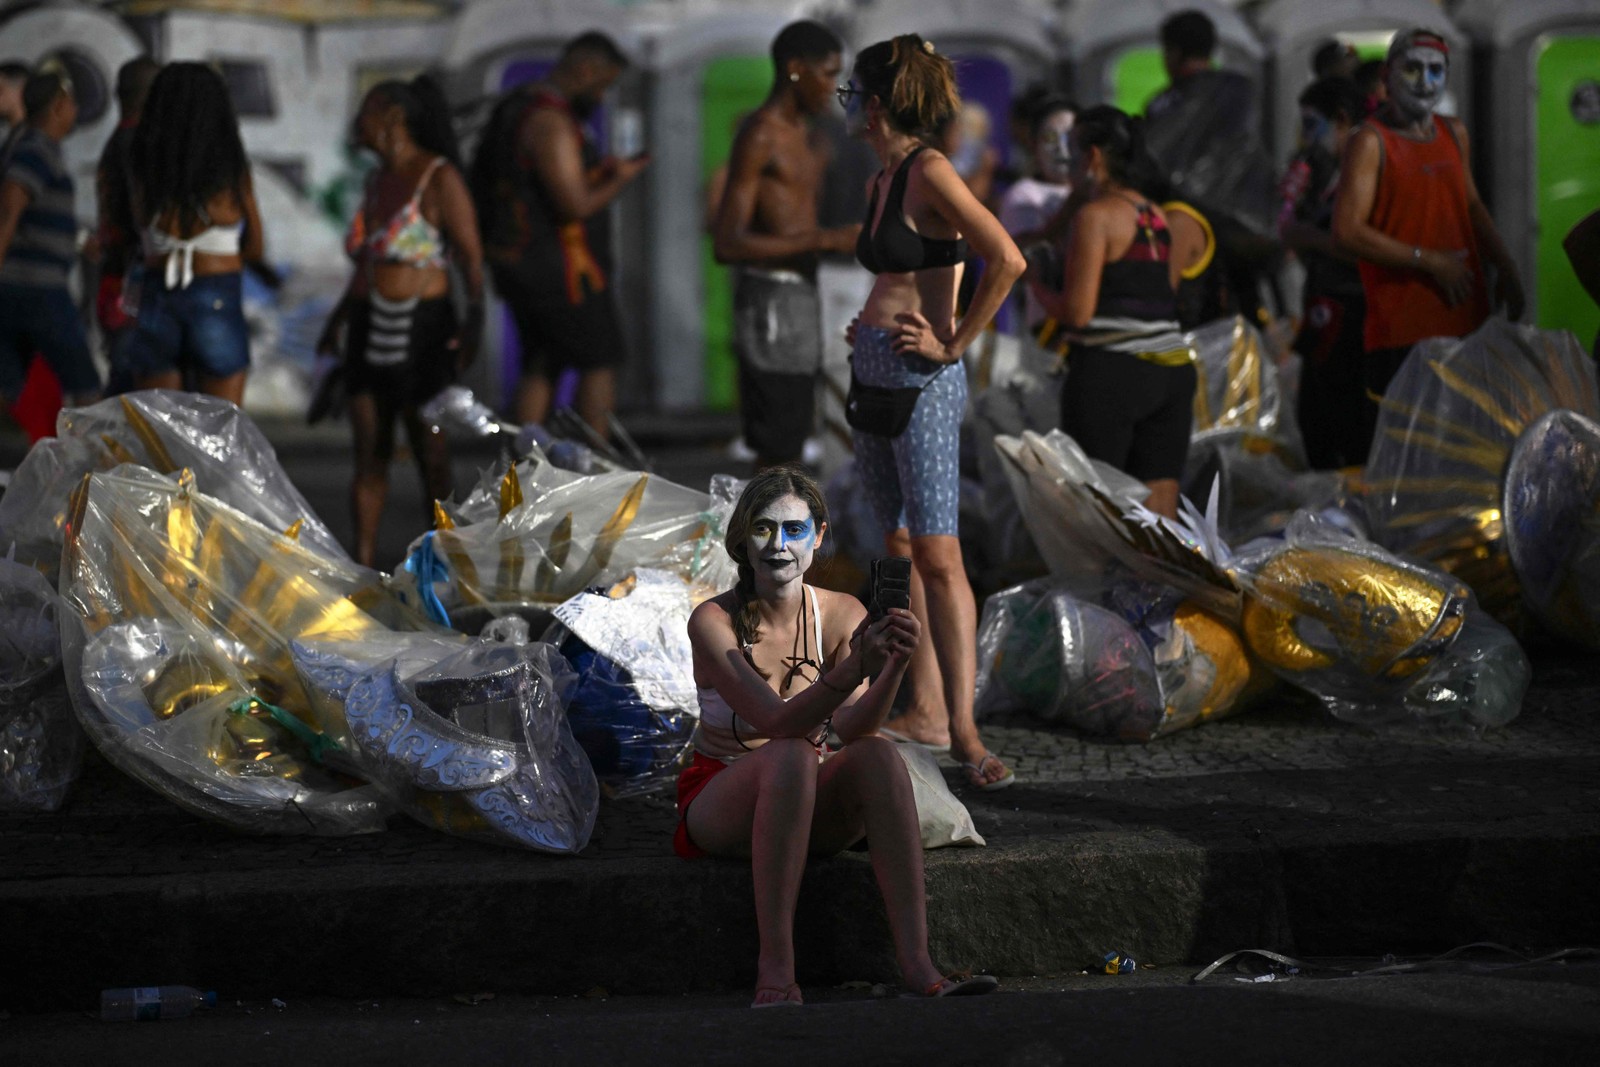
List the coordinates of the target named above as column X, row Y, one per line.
column 1053, row 148
column 783, row 540
column 1417, row 80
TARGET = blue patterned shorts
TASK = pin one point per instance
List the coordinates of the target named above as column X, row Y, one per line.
column 914, row 480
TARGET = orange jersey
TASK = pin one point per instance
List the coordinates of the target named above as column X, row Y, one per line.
column 1421, row 201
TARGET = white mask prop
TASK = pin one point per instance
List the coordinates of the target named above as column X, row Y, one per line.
column 1419, row 67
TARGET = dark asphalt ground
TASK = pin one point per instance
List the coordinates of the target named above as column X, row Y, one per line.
column 1539, row 1015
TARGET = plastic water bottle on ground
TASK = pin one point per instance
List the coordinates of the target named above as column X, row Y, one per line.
column 148, row 1003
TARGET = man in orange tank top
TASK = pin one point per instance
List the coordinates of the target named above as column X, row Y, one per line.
column 1409, row 210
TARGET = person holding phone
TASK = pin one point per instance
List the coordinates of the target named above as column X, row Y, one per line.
column 906, row 350
column 544, row 192
column 777, row 662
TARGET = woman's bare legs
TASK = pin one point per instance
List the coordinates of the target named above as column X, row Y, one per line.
column 369, row 488
column 432, row 449
column 927, row 716
column 761, row 807
column 167, row 379
column 777, row 805
column 1163, row 498
column 949, row 615
column 230, row 388
column 867, row 788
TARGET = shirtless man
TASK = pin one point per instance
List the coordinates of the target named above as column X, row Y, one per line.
column 767, row 226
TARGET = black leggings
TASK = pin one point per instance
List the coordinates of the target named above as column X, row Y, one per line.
column 1129, row 412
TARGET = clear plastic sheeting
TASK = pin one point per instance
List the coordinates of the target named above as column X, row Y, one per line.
column 1091, row 527
column 177, row 617
column 467, row 736
column 1552, row 486
column 1260, row 483
column 41, row 747
column 634, row 708
column 1205, row 137
column 1238, row 383
column 165, row 431
column 1378, row 639
column 1142, row 664
column 1440, row 477
column 1066, row 662
column 549, row 534
column 459, row 413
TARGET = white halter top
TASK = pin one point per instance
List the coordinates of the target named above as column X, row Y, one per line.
column 722, row 734
column 213, row 241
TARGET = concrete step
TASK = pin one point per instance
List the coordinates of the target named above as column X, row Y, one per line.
column 1281, row 829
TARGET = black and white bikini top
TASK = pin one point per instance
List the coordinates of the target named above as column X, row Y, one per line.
column 894, row 247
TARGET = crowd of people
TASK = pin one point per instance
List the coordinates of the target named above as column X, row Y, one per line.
column 1104, row 237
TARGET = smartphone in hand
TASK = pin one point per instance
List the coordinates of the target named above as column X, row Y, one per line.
column 889, row 585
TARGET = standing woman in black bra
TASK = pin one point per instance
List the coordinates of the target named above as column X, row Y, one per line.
column 404, row 341
column 192, row 193
column 921, row 220
column 1128, row 398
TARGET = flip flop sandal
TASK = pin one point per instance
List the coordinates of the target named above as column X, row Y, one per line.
column 974, row 772
column 784, row 1002
column 906, row 739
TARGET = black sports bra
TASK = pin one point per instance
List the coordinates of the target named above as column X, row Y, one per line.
column 894, row 247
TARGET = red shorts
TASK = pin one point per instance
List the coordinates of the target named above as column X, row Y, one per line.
column 691, row 780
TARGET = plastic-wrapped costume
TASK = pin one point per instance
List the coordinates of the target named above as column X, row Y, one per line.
column 41, row 748
column 177, row 616
column 1379, row 639
column 1486, row 462
column 544, row 534
column 634, row 708
column 165, row 431
column 1241, row 440
column 468, row 736
column 1131, row 592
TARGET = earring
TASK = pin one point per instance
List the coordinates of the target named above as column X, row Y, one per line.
column 793, row 76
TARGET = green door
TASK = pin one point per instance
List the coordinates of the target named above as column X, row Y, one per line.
column 1566, row 176
column 733, row 86
column 1137, row 75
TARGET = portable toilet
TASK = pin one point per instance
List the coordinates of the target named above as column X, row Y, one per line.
column 497, row 45
column 91, row 43
column 1115, row 47
column 707, row 73
column 1293, row 30
column 1541, row 141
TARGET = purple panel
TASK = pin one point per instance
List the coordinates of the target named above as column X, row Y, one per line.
column 986, row 80
column 521, row 72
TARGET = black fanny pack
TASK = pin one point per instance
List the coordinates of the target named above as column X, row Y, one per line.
column 883, row 411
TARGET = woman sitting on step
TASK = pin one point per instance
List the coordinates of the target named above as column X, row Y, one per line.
column 777, row 662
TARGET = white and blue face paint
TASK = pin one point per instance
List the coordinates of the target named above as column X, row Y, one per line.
column 1417, row 79
column 783, row 538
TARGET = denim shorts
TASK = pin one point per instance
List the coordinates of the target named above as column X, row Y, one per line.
column 201, row 327
column 45, row 321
